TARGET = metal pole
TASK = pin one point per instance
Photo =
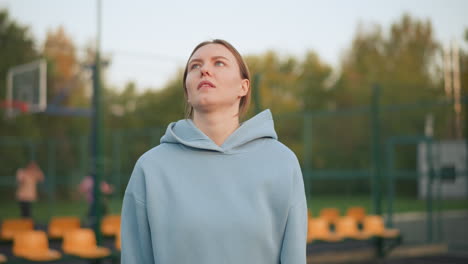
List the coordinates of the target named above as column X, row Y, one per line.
column 390, row 182
column 439, row 234
column 97, row 132
column 430, row 178
column 116, row 162
column 32, row 151
column 307, row 155
column 83, row 156
column 376, row 162
column 456, row 90
column 50, row 180
column 465, row 107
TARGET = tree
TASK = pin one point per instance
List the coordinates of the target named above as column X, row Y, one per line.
column 289, row 84
column 277, row 81
column 16, row 48
column 464, row 83
column 312, row 79
column 65, row 71
column 404, row 63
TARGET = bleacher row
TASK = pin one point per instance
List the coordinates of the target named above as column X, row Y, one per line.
column 331, row 226
column 328, row 226
column 76, row 241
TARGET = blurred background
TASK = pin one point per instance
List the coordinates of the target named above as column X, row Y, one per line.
column 370, row 95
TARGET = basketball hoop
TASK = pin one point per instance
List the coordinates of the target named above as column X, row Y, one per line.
column 13, row 107
column 26, row 89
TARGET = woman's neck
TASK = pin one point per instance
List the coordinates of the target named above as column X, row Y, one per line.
column 218, row 126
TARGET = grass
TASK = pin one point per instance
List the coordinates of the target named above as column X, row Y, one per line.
column 43, row 210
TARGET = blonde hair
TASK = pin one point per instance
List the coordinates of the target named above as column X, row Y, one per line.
column 243, row 69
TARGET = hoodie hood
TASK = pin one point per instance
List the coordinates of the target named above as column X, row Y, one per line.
column 186, row 133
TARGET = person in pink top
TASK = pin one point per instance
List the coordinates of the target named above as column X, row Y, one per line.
column 26, row 193
column 86, row 189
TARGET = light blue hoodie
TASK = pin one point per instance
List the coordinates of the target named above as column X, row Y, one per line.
column 191, row 201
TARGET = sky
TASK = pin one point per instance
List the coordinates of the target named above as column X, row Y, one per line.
column 149, row 40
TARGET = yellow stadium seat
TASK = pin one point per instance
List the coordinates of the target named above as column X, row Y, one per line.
column 11, row 227
column 318, row 229
column 374, row 225
column 331, row 215
column 33, row 245
column 110, row 225
column 82, row 243
column 357, row 213
column 58, row 226
column 347, row 227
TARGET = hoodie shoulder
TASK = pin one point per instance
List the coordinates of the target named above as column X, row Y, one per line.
column 157, row 152
column 281, row 151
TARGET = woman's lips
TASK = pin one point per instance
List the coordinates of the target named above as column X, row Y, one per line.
column 205, row 84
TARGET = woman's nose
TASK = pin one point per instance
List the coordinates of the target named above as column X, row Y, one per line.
column 205, row 70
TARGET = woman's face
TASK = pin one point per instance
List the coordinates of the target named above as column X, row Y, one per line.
column 213, row 79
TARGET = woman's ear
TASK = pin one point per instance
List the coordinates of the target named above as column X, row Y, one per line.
column 245, row 86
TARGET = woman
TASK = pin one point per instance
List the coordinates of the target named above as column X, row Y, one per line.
column 26, row 193
column 216, row 191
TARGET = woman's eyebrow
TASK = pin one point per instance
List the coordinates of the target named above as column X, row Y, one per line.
column 219, row 57
column 194, row 60
column 212, row 58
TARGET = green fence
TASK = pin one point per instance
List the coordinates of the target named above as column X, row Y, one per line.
column 366, row 156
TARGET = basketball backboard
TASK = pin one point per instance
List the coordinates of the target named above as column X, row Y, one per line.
column 27, row 84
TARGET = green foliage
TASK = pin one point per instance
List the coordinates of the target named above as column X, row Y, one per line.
column 130, row 110
column 403, row 60
column 16, row 47
column 291, row 85
column 464, row 68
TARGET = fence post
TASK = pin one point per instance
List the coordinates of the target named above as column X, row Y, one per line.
column 430, row 180
column 51, row 170
column 84, row 157
column 390, row 149
column 32, row 150
column 306, row 160
column 464, row 100
column 376, row 162
column 116, row 162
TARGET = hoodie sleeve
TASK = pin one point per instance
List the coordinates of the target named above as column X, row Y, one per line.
column 135, row 231
column 293, row 250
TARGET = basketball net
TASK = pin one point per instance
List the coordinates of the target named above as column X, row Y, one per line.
column 13, row 107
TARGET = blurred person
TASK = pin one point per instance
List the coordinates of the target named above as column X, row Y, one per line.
column 216, row 190
column 26, row 192
column 86, row 188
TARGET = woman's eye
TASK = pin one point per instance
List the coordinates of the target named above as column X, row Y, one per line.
column 219, row 63
column 195, row 66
